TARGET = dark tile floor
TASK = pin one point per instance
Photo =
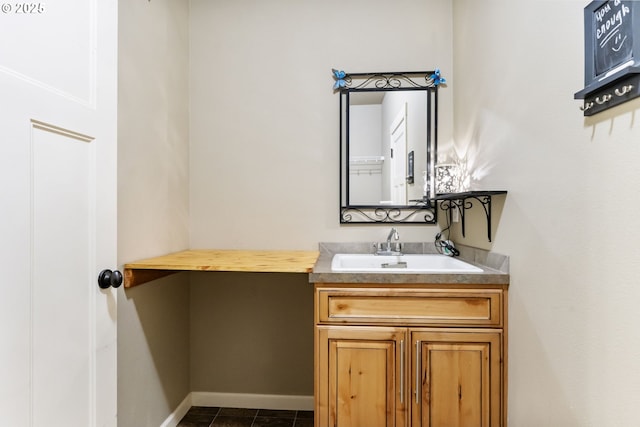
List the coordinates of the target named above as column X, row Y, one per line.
column 200, row 416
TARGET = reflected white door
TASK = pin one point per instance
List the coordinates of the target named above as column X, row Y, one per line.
column 58, row 74
column 398, row 135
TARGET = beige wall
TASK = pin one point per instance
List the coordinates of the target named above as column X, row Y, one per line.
column 264, row 120
column 569, row 221
column 153, row 320
column 264, row 174
column 264, row 163
column 252, row 333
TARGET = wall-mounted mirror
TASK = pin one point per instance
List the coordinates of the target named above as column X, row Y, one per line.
column 388, row 145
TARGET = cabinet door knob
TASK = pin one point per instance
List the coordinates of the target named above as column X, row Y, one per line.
column 108, row 278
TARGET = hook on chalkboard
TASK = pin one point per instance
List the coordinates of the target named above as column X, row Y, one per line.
column 586, row 106
column 605, row 98
column 623, row 90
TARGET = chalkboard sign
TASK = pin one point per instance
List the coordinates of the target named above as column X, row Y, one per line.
column 611, row 55
column 613, row 44
column 612, row 30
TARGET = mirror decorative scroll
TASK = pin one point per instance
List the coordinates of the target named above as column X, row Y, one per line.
column 388, row 146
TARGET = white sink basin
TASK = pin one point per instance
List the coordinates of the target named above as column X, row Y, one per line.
column 409, row 263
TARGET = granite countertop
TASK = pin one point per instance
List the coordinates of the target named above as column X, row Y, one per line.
column 495, row 267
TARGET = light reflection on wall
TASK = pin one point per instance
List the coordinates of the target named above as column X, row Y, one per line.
column 476, row 150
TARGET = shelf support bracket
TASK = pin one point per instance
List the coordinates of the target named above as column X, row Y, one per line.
column 134, row 277
column 462, row 202
column 485, row 201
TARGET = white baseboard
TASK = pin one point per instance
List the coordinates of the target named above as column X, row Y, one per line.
column 238, row 400
column 260, row 401
column 179, row 413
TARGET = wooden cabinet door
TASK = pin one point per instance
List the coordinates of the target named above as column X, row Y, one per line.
column 456, row 378
column 361, row 372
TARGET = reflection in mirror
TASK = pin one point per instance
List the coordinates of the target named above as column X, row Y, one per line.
column 384, row 131
column 388, row 147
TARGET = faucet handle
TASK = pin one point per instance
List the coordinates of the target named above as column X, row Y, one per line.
column 388, row 248
column 380, row 248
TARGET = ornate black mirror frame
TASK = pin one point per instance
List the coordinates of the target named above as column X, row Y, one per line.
column 418, row 210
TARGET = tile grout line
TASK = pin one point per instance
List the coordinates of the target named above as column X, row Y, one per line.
column 294, row 419
column 215, row 416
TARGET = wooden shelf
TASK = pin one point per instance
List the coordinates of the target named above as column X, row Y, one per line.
column 468, row 194
column 263, row 261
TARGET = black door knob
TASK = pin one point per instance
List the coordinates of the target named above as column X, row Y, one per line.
column 109, row 278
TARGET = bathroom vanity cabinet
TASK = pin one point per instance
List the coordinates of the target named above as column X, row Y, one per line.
column 410, row 354
column 391, row 349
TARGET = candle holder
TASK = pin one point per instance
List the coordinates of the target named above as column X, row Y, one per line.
column 447, row 178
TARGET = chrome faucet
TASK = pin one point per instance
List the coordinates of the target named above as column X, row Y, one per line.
column 389, row 248
column 392, row 234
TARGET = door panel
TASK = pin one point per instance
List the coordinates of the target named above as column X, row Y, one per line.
column 60, row 35
column 457, row 378
column 456, row 383
column 366, row 371
column 361, row 369
column 58, row 74
column 398, row 142
column 62, row 269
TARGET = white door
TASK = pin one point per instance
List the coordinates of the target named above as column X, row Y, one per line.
column 58, row 74
column 398, row 135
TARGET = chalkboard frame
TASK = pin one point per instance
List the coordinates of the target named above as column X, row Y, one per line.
column 594, row 78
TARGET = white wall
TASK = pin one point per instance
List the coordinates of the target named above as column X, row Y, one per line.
column 153, row 137
column 569, row 221
column 365, row 134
